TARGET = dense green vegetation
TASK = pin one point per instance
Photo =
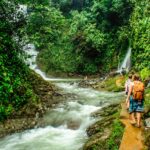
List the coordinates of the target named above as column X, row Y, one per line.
column 78, row 36
column 116, row 136
column 15, row 90
column 90, row 36
column 80, row 40
column 140, row 27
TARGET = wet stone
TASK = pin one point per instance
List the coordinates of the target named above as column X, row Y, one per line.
column 147, row 122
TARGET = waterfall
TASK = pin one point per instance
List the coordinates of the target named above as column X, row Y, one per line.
column 23, row 9
column 126, row 64
column 30, row 50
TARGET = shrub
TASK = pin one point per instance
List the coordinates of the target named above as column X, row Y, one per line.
column 145, row 73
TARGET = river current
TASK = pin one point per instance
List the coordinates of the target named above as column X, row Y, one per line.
column 67, row 123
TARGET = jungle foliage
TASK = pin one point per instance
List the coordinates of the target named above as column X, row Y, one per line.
column 78, row 36
column 90, row 36
column 15, row 90
column 140, row 27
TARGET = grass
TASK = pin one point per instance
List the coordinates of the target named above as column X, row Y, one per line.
column 147, row 97
column 111, row 85
column 115, row 138
column 147, row 115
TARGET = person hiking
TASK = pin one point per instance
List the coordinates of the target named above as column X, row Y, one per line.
column 127, row 85
column 136, row 97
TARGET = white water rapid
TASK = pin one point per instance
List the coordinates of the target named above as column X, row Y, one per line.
column 67, row 123
column 126, row 64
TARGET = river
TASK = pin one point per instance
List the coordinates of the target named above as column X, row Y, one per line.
column 67, row 123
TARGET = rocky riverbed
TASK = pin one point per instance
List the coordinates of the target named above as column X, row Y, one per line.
column 30, row 115
column 100, row 133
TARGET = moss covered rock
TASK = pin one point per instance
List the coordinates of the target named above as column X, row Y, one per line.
column 107, row 132
column 45, row 95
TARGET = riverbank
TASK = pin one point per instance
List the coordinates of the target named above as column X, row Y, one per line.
column 111, row 84
column 100, row 135
column 29, row 116
column 107, row 132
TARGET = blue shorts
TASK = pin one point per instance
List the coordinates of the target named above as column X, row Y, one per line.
column 136, row 106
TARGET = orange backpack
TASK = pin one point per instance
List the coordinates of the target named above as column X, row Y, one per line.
column 138, row 90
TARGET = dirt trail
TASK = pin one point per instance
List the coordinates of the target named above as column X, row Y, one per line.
column 132, row 137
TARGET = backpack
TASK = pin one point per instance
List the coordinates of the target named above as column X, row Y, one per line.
column 138, row 90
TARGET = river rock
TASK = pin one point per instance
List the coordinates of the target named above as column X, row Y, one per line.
column 74, row 125
column 113, row 74
column 147, row 138
column 89, row 83
column 147, row 122
column 106, row 111
column 97, row 139
column 100, row 125
column 101, row 130
column 29, row 116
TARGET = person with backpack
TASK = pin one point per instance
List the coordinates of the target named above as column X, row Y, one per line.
column 136, row 97
column 127, row 85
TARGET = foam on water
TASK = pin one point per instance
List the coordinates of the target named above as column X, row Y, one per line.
column 45, row 139
column 60, row 134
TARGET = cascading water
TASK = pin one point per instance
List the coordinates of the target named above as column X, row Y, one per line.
column 126, row 64
column 23, row 8
column 31, row 61
column 67, row 123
